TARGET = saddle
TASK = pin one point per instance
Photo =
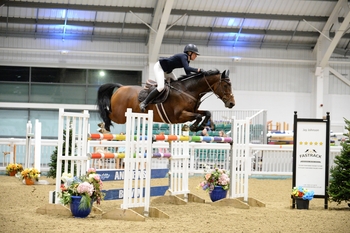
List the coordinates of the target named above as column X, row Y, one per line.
column 151, row 85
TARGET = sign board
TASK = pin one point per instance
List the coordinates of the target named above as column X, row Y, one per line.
column 118, row 174
column 311, row 155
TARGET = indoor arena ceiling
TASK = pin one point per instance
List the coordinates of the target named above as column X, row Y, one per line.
column 285, row 24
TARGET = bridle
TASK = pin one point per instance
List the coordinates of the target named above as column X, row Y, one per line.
column 224, row 99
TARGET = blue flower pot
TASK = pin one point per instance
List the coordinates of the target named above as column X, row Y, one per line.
column 74, row 208
column 218, row 193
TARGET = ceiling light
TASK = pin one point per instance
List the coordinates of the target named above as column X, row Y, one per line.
column 237, row 59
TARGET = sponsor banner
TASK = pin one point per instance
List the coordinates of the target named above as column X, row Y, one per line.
column 311, row 156
column 112, row 175
column 114, row 194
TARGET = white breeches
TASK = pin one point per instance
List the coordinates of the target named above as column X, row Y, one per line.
column 160, row 75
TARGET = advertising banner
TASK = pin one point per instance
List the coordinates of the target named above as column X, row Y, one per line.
column 311, row 156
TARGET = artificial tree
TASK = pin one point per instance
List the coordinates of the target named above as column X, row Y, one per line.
column 53, row 164
column 339, row 188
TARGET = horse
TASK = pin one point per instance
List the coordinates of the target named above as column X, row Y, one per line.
column 181, row 106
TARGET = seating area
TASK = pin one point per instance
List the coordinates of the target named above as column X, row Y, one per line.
column 159, row 128
column 256, row 131
column 164, row 128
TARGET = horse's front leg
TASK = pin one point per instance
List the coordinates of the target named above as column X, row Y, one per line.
column 186, row 116
column 207, row 115
column 195, row 126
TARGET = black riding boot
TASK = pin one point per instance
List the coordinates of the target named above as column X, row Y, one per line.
column 153, row 94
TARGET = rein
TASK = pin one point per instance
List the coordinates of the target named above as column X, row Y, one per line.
column 211, row 89
column 183, row 92
column 201, row 94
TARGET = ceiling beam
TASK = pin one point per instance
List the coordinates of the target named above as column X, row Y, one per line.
column 149, row 10
column 161, row 30
column 92, row 24
column 79, row 7
column 338, row 35
column 339, row 76
column 328, row 25
column 143, row 39
column 156, row 16
column 2, row 2
column 249, row 15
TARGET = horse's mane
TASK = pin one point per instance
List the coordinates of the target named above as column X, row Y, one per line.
column 196, row 75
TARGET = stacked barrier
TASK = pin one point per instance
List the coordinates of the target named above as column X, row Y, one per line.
column 137, row 171
column 180, row 161
column 178, row 164
column 136, row 163
column 71, row 152
column 240, row 161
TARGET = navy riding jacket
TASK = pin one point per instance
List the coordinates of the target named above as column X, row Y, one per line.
column 179, row 60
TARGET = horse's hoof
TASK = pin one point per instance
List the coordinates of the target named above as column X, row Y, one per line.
column 193, row 128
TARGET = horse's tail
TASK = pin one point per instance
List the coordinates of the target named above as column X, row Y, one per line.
column 104, row 95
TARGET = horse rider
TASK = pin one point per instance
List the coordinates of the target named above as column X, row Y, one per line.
column 163, row 69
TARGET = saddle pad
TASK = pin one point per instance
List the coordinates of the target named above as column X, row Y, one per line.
column 159, row 99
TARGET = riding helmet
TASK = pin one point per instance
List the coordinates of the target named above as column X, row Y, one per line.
column 191, row 48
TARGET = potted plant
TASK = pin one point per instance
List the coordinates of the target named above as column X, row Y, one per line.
column 81, row 192
column 217, row 182
column 302, row 197
column 339, row 187
column 53, row 164
column 29, row 175
column 13, row 168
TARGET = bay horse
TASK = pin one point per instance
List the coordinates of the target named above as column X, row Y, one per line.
column 181, row 106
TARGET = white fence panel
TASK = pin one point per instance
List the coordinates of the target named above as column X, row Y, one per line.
column 266, row 159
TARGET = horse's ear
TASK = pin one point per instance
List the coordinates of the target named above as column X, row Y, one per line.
column 225, row 74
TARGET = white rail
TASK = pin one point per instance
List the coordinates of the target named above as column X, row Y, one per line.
column 266, row 159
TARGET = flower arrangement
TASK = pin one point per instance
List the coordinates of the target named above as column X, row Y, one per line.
column 14, row 167
column 218, row 177
column 303, row 193
column 30, row 173
column 89, row 187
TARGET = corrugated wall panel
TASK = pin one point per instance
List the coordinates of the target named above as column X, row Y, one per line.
column 19, row 12
column 246, row 75
column 257, row 76
column 98, row 54
column 20, row 27
column 81, row 15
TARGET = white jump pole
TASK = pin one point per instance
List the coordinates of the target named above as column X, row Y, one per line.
column 240, row 161
column 12, row 145
column 37, row 145
column 29, row 135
